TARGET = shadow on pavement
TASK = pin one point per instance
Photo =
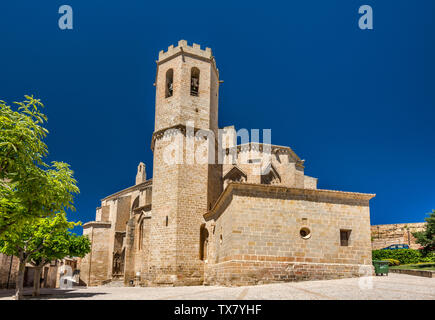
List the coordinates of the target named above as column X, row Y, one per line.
column 51, row 294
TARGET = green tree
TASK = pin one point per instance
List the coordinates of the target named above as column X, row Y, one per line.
column 44, row 192
column 21, row 142
column 40, row 240
column 22, row 169
column 62, row 243
column 32, row 192
column 427, row 237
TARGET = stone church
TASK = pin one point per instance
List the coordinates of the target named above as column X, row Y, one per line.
column 242, row 220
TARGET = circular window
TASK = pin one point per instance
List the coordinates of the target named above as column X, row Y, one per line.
column 305, row 233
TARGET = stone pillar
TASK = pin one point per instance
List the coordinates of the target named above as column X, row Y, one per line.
column 141, row 175
column 96, row 264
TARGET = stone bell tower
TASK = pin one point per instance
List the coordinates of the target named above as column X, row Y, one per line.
column 187, row 85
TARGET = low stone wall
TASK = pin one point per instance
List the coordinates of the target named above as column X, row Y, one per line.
column 415, row 272
column 239, row 272
column 8, row 271
column 262, row 234
column 387, row 234
column 95, row 266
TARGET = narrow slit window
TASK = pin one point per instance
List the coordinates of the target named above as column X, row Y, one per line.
column 345, row 237
column 203, row 242
column 141, row 235
column 169, row 83
column 194, row 82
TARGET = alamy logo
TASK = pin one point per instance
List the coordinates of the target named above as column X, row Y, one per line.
column 66, row 20
column 365, row 281
column 366, row 20
column 66, row 279
column 187, row 145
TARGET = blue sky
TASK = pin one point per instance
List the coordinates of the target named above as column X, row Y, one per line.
column 358, row 105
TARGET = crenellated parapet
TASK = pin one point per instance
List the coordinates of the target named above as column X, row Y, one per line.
column 182, row 46
column 184, row 49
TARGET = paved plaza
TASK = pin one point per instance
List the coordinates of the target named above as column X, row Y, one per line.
column 392, row 287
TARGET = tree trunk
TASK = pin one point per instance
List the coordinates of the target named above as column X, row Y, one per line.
column 20, row 279
column 37, row 281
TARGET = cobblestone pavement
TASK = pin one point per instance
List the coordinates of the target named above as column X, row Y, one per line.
column 394, row 286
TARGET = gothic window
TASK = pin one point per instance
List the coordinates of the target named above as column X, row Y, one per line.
column 169, row 83
column 135, row 204
column 270, row 176
column 194, row 82
column 203, row 242
column 234, row 175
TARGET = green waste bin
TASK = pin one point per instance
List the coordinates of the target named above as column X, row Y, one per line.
column 381, row 267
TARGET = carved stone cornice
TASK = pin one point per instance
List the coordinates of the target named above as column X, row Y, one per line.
column 141, row 186
column 178, row 128
column 285, row 192
column 274, row 149
column 97, row 224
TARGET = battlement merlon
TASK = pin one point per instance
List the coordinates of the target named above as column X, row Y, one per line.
column 183, row 48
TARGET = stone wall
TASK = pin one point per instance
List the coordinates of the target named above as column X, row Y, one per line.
column 253, row 229
column 256, row 235
column 110, row 235
column 95, row 266
column 179, row 199
column 310, row 182
column 49, row 274
column 387, row 234
column 6, row 268
column 123, row 212
column 182, row 190
column 256, row 160
column 143, row 249
column 181, row 106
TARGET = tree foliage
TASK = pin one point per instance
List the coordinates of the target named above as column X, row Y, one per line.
column 34, row 195
column 405, row 256
column 427, row 237
column 21, row 144
column 29, row 187
column 41, row 240
column 35, row 234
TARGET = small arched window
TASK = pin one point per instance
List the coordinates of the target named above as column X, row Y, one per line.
column 194, row 82
column 203, row 242
column 135, row 204
column 169, row 83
